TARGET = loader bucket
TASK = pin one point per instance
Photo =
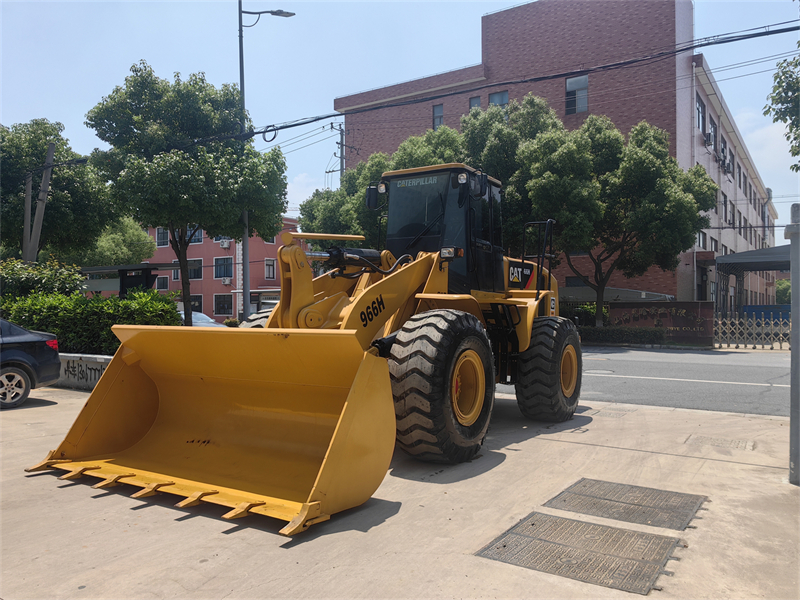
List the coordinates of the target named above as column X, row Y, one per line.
column 293, row 424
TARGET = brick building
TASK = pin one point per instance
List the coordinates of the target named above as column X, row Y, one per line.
column 215, row 270
column 677, row 93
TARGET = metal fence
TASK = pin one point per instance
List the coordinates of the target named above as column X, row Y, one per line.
column 767, row 330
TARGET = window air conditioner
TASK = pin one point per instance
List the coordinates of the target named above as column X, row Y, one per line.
column 224, row 243
column 226, row 281
column 708, row 139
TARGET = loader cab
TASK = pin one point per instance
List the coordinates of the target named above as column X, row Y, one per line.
column 448, row 205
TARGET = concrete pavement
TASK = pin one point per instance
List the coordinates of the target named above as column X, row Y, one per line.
column 417, row 537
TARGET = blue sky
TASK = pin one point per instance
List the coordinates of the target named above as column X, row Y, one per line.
column 60, row 58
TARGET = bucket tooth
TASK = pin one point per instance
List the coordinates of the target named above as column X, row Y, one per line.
column 151, row 489
column 111, row 481
column 75, row 473
column 309, row 514
column 195, row 498
column 47, row 463
column 241, row 510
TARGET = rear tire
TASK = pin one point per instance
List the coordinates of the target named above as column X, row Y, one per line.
column 549, row 371
column 15, row 386
column 442, row 377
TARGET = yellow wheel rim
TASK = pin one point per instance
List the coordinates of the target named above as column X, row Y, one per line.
column 569, row 371
column 468, row 388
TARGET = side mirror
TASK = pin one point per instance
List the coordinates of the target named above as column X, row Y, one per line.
column 484, row 183
column 372, row 198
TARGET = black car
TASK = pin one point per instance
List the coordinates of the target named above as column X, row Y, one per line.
column 28, row 360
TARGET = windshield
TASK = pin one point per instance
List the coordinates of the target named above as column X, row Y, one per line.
column 416, row 202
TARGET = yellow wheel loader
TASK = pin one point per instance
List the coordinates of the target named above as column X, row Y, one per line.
column 297, row 420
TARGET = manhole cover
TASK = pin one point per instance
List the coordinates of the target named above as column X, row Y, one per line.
column 608, row 556
column 629, row 503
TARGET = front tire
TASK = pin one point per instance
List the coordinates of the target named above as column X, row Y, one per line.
column 15, row 386
column 443, row 386
column 549, row 371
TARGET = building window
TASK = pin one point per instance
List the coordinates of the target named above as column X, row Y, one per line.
column 270, row 240
column 223, row 304
column 744, row 183
column 162, row 237
column 739, row 218
column 221, row 238
column 162, row 282
column 438, row 116
column 724, row 207
column 197, row 236
column 701, row 239
column 739, row 174
column 195, row 269
column 724, row 250
column 700, row 115
column 714, row 245
column 223, row 267
column 474, row 102
column 499, row 99
column 269, row 268
column 713, row 131
column 723, row 149
column 577, row 98
column 196, row 302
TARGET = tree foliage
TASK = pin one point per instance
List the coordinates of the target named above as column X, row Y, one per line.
column 173, row 163
column 784, row 103
column 624, row 203
column 124, row 242
column 19, row 279
column 783, row 291
column 78, row 206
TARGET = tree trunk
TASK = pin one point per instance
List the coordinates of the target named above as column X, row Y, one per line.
column 180, row 245
column 598, row 311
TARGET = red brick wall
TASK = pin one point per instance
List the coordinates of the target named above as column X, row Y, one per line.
column 536, row 39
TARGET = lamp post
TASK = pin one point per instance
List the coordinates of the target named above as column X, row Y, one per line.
column 245, row 219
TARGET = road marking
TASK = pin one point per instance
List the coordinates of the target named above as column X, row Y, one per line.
column 689, row 380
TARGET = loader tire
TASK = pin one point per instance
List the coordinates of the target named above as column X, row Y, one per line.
column 442, row 377
column 549, row 371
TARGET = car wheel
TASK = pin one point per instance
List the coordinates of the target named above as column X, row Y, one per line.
column 15, row 385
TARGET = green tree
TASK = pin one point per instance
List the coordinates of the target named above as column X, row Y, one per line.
column 783, row 291
column 123, row 242
column 19, row 279
column 173, row 162
column 784, row 103
column 78, row 206
column 627, row 206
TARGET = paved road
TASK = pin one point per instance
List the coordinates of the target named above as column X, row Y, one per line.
column 752, row 382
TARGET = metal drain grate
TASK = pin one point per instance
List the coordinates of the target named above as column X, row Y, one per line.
column 597, row 554
column 720, row 442
column 629, row 503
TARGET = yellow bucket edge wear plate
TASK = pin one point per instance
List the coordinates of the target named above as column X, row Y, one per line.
column 293, row 424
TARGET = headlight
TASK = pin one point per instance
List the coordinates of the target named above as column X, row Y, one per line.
column 381, row 188
column 447, row 252
column 462, row 178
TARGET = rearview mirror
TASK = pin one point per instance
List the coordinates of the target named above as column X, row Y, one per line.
column 372, row 198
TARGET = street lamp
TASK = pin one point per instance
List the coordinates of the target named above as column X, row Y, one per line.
column 245, row 219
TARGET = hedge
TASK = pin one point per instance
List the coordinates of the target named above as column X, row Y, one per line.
column 83, row 325
column 623, row 335
column 19, row 279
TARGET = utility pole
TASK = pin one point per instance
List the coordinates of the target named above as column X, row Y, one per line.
column 245, row 217
column 792, row 232
column 30, row 239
